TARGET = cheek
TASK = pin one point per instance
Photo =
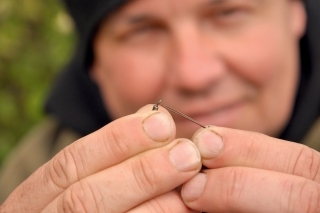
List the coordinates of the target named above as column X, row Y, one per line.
column 269, row 63
column 137, row 74
column 258, row 56
column 131, row 80
column 266, row 60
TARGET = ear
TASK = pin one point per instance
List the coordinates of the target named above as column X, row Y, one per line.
column 298, row 18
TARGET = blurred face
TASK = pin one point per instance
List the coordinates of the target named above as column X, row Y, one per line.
column 231, row 63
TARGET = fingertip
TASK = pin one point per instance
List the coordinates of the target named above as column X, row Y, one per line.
column 200, row 130
column 149, row 107
column 209, row 142
column 184, row 156
column 145, row 108
column 193, row 189
column 158, row 126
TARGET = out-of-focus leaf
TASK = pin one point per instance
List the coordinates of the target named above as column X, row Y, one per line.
column 36, row 40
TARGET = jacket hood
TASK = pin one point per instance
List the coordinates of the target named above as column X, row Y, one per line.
column 75, row 99
column 307, row 104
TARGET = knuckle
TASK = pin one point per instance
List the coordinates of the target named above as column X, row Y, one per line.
column 307, row 164
column 254, row 149
column 304, row 197
column 114, row 143
column 236, row 178
column 79, row 198
column 62, row 169
column 311, row 197
column 145, row 176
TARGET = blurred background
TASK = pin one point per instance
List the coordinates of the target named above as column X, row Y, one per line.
column 36, row 40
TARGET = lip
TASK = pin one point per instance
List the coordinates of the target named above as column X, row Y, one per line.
column 220, row 116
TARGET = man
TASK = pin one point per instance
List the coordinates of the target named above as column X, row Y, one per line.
column 230, row 63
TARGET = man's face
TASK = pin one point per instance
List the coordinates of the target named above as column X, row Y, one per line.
column 231, row 63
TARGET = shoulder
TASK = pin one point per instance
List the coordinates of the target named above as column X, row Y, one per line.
column 47, row 138
column 312, row 138
column 36, row 148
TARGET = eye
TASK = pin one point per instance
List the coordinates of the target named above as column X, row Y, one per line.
column 147, row 28
column 143, row 32
column 143, row 29
column 227, row 16
column 230, row 12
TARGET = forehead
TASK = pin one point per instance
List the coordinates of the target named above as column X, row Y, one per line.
column 167, row 9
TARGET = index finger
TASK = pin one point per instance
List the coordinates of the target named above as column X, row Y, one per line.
column 223, row 147
column 110, row 145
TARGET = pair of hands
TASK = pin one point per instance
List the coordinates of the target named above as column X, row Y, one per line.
column 135, row 164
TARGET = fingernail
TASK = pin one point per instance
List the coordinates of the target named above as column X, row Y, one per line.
column 193, row 189
column 209, row 144
column 185, row 156
column 158, row 127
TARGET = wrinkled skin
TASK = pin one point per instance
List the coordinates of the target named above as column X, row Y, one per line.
column 231, row 63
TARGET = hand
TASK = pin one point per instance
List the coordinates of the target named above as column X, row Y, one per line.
column 251, row 172
column 123, row 166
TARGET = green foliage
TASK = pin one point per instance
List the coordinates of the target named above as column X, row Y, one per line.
column 36, row 40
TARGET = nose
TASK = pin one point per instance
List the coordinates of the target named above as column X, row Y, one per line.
column 195, row 64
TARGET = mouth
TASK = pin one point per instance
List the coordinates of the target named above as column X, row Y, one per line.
column 219, row 116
